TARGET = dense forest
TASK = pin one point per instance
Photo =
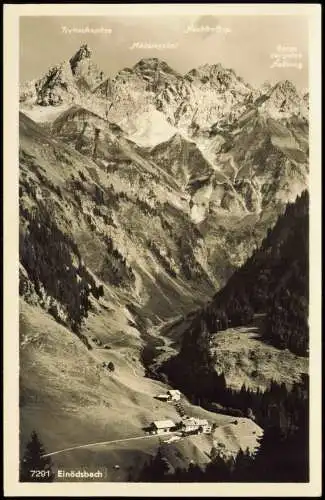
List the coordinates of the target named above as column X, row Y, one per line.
column 115, row 269
column 53, row 263
column 274, row 281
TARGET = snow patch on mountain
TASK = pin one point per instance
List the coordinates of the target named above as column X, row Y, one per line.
column 41, row 114
column 149, row 128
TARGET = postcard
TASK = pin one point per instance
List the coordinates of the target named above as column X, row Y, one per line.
column 162, row 291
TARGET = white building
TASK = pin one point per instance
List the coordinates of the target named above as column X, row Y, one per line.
column 174, row 394
column 162, row 426
column 206, row 427
column 189, row 425
column 192, row 424
column 163, row 397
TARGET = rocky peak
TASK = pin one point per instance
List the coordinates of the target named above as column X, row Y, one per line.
column 86, row 73
column 152, row 63
column 208, row 70
column 218, row 77
column 83, row 53
column 147, row 61
column 156, row 72
column 66, row 82
column 286, row 89
column 283, row 99
column 54, row 85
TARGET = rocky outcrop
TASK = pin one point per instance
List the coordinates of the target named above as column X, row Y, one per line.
column 231, row 150
column 84, row 70
column 56, row 87
column 284, row 101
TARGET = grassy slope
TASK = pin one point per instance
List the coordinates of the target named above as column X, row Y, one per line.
column 71, row 400
column 246, row 359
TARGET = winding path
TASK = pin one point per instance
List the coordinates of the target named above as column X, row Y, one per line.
column 105, row 443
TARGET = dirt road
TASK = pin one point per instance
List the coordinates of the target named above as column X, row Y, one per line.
column 105, row 443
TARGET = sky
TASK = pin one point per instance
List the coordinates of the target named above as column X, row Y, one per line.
column 256, row 47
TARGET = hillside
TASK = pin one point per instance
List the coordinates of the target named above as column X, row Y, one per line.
column 253, row 335
column 88, row 203
column 154, row 225
column 246, row 352
column 244, row 358
column 80, row 293
column 273, row 281
column 83, row 403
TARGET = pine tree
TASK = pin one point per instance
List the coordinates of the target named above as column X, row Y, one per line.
column 243, row 466
column 218, row 470
column 194, row 474
column 269, row 459
column 155, row 470
column 34, row 460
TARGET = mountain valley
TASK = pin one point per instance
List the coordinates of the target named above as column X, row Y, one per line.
column 142, row 197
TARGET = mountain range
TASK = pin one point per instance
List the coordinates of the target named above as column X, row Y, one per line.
column 140, row 195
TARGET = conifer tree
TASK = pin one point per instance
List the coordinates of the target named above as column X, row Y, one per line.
column 243, row 467
column 155, row 470
column 34, row 466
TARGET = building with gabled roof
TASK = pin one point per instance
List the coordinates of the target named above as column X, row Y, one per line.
column 162, row 426
column 191, row 424
column 174, row 394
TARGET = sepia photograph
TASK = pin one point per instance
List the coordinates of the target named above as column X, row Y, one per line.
column 164, row 210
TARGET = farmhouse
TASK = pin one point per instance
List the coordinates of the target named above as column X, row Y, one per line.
column 191, row 424
column 161, row 426
column 163, row 397
column 171, row 395
column 174, row 394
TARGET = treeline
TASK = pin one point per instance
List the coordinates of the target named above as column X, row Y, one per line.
column 48, row 183
column 101, row 196
column 275, row 281
column 278, row 410
column 287, row 318
column 29, row 186
column 165, row 260
column 52, row 261
column 192, row 370
column 115, row 268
